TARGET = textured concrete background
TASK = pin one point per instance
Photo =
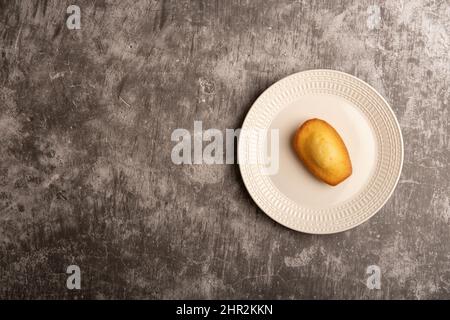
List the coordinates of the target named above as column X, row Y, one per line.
column 86, row 177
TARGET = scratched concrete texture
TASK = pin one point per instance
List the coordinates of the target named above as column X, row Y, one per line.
column 86, row 176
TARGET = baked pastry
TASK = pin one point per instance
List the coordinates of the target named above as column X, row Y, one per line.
column 322, row 151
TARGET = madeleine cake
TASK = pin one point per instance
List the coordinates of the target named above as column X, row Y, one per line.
column 322, row 151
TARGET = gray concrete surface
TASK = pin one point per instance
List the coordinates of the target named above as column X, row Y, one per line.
column 86, row 178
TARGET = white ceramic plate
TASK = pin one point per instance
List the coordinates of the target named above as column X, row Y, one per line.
column 366, row 123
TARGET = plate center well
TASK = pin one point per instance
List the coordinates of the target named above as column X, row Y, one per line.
column 294, row 180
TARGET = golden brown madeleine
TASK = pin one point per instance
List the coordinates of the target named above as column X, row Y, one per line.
column 322, row 151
